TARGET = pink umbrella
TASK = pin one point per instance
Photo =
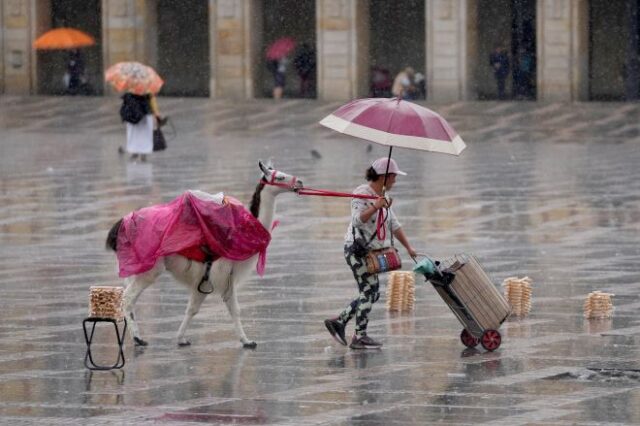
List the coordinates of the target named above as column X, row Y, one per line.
column 280, row 48
column 394, row 122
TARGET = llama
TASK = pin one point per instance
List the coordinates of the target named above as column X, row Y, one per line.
column 225, row 275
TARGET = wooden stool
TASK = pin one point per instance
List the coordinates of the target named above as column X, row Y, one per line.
column 105, row 305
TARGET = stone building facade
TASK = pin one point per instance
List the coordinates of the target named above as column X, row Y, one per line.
column 582, row 49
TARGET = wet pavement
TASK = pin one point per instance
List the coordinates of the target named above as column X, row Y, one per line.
column 551, row 191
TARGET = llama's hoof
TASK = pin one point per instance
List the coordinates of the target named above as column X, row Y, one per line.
column 140, row 342
column 184, row 343
column 250, row 345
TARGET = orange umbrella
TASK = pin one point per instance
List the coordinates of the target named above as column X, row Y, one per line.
column 63, row 38
column 133, row 77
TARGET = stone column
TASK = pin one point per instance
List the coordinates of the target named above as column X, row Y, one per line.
column 342, row 48
column 448, row 57
column 562, row 50
column 2, row 49
column 17, row 34
column 234, row 27
column 129, row 31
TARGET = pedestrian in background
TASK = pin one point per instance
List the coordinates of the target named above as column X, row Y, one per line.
column 499, row 61
column 523, row 74
column 137, row 113
column 305, row 63
column 278, row 68
column 403, row 85
column 75, row 72
column 363, row 227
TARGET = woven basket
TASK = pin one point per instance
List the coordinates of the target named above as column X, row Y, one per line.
column 401, row 291
column 106, row 302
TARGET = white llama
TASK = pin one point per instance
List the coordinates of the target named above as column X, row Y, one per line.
column 225, row 276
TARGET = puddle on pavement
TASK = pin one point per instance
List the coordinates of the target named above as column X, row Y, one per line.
column 601, row 375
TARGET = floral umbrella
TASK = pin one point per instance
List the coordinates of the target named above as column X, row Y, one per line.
column 134, row 77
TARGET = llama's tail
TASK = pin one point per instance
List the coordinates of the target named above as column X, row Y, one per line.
column 112, row 238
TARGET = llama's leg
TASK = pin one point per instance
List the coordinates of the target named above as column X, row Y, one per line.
column 195, row 301
column 135, row 285
column 231, row 301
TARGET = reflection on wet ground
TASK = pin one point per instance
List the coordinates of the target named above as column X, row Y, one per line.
column 551, row 191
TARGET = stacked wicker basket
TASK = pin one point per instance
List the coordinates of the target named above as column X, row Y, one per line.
column 401, row 291
column 106, row 302
column 598, row 305
column 517, row 291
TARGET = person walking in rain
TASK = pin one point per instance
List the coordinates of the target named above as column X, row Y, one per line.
column 363, row 227
column 305, row 63
column 75, row 72
column 137, row 113
column 278, row 68
column 499, row 61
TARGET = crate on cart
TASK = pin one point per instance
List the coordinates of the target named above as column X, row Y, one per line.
column 467, row 289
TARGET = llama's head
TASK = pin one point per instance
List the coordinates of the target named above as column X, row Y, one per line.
column 278, row 180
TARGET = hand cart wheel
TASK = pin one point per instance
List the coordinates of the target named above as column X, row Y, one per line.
column 491, row 340
column 468, row 340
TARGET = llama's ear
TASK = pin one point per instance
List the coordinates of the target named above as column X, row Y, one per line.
column 265, row 169
column 270, row 163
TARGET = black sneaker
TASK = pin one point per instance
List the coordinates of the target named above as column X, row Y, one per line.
column 364, row 342
column 336, row 328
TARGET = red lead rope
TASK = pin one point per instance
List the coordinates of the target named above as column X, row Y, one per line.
column 381, row 231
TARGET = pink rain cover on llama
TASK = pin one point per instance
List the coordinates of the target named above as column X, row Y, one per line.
column 227, row 229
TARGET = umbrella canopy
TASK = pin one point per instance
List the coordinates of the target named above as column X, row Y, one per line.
column 394, row 122
column 280, row 48
column 63, row 38
column 134, row 77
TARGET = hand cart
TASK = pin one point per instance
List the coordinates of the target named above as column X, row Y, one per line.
column 473, row 298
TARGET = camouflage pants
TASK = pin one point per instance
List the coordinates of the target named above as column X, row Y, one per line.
column 369, row 293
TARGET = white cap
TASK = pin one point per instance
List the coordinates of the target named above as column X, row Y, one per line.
column 380, row 166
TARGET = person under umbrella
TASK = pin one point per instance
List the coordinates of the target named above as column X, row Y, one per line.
column 277, row 61
column 389, row 122
column 381, row 175
column 75, row 72
column 139, row 83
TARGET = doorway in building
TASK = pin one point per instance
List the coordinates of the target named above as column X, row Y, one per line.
column 183, row 47
column 614, row 50
column 295, row 72
column 513, row 32
column 397, row 43
column 54, row 66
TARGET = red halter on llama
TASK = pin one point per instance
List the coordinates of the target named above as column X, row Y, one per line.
column 172, row 236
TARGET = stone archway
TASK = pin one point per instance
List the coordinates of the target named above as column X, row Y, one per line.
column 183, row 47
column 614, row 50
column 84, row 15
column 396, row 41
column 295, row 19
column 511, row 24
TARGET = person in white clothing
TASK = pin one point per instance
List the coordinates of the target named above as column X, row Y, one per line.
column 137, row 113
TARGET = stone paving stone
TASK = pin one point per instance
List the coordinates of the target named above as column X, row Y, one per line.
column 548, row 190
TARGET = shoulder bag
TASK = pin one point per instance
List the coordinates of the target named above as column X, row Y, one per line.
column 378, row 260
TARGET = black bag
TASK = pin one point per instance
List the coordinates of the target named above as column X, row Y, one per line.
column 133, row 108
column 359, row 248
column 159, row 142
